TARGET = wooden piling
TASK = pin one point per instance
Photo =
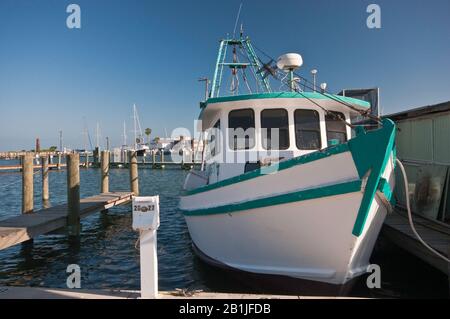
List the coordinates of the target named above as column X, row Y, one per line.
column 134, row 183
column 162, row 159
column 27, row 184
column 44, row 172
column 73, row 194
column 105, row 171
column 86, row 160
column 58, row 166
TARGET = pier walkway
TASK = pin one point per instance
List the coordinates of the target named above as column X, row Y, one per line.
column 9, row 292
column 397, row 229
column 21, row 228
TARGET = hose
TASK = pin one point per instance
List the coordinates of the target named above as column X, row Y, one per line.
column 411, row 223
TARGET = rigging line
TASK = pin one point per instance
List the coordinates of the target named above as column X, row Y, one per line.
column 320, row 106
column 327, row 111
column 251, row 68
column 244, row 77
column 237, row 20
column 325, row 93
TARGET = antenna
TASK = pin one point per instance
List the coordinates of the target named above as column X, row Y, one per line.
column 314, row 74
column 237, row 20
column 206, row 80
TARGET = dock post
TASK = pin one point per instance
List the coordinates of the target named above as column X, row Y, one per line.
column 147, row 224
column 105, row 171
column 45, row 192
column 153, row 158
column 58, row 166
column 134, row 183
column 27, row 183
column 73, row 194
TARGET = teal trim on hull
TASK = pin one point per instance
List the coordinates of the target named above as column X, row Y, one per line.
column 371, row 152
column 325, row 191
column 385, row 188
column 277, row 95
column 341, row 148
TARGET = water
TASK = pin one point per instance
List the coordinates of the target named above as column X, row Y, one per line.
column 108, row 258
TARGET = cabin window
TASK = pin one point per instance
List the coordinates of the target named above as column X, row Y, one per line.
column 214, row 139
column 241, row 129
column 307, row 130
column 275, row 122
column 336, row 128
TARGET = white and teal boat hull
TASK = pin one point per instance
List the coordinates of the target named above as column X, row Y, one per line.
column 314, row 217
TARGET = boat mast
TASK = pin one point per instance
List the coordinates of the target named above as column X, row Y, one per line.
column 253, row 62
column 124, row 134
column 137, row 127
column 97, row 135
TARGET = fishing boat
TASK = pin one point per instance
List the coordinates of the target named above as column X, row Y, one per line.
column 289, row 186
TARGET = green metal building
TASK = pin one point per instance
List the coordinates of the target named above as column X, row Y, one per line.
column 423, row 145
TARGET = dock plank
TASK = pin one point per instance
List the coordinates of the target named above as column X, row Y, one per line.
column 396, row 228
column 10, row 292
column 23, row 227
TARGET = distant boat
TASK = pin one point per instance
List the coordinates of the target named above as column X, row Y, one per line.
column 139, row 144
column 308, row 203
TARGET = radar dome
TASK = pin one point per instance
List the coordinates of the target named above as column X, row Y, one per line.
column 289, row 62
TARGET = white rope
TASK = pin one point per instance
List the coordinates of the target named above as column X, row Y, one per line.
column 411, row 223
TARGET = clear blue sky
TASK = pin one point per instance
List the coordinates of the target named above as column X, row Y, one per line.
column 152, row 52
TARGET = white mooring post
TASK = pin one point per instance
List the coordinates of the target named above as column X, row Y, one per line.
column 146, row 221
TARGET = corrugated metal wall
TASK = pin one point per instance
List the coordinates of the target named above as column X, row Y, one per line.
column 425, row 139
column 423, row 144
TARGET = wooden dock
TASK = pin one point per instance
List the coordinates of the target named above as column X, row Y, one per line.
column 397, row 229
column 9, row 292
column 27, row 226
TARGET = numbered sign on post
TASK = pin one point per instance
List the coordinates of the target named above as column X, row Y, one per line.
column 145, row 213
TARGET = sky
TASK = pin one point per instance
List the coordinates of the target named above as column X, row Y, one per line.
column 152, row 53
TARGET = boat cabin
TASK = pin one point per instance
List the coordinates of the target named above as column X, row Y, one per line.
column 244, row 133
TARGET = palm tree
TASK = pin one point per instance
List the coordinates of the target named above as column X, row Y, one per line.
column 148, row 132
